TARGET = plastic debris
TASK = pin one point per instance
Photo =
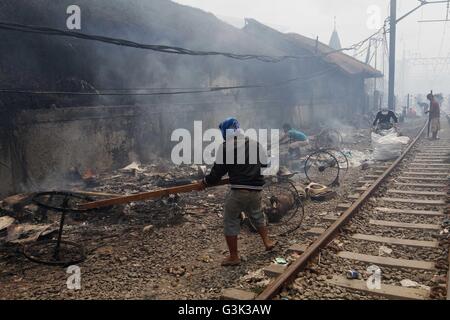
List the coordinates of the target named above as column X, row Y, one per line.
column 388, row 145
column 352, row 274
column 412, row 284
column 132, row 167
column 281, row 261
column 384, row 250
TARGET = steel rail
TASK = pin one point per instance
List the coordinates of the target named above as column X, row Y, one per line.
column 325, row 238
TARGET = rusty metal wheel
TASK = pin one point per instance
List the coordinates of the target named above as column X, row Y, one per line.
column 54, row 253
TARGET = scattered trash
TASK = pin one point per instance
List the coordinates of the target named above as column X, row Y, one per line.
column 281, row 261
column 319, row 192
column 132, row 168
column 412, row 284
column 352, row 274
column 25, row 233
column 388, row 146
column 253, row 276
column 357, row 158
column 148, row 228
column 384, row 250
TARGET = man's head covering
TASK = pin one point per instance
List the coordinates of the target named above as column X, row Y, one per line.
column 229, row 125
column 430, row 96
column 384, row 110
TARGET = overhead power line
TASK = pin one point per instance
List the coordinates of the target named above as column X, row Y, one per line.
column 128, row 43
column 170, row 49
column 145, row 92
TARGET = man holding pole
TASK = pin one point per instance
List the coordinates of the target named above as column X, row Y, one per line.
column 247, row 183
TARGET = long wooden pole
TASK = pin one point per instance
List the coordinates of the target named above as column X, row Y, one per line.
column 197, row 186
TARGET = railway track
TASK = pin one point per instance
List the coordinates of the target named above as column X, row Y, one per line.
column 390, row 234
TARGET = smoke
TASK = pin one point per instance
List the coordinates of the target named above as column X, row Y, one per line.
column 41, row 62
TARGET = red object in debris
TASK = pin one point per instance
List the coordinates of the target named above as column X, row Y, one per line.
column 89, row 174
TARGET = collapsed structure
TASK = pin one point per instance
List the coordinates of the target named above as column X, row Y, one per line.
column 43, row 136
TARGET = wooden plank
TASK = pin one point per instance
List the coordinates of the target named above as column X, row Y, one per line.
column 366, row 182
column 395, row 224
column 361, row 189
column 297, row 248
column 274, row 270
column 422, row 179
column 330, row 218
column 387, row 291
column 237, row 294
column 343, row 206
column 426, row 174
column 395, row 241
column 96, row 194
column 435, row 165
column 429, row 160
column 197, row 186
column 421, row 185
column 379, row 167
column 388, row 262
column 371, row 177
column 411, row 212
column 315, row 231
column 439, row 170
column 354, row 196
column 418, row 193
column 415, row 201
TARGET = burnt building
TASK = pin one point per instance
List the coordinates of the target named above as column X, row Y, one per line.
column 42, row 136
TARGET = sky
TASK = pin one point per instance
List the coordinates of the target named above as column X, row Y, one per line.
column 356, row 20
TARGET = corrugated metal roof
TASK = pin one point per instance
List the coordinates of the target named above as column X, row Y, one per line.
column 296, row 44
column 347, row 63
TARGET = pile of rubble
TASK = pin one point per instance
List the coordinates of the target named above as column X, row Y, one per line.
column 23, row 220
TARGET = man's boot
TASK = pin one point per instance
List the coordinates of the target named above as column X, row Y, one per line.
column 264, row 233
column 233, row 259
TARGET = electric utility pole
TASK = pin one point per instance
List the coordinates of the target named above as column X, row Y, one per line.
column 392, row 40
column 393, row 34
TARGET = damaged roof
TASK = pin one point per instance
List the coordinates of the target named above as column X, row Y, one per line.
column 296, row 44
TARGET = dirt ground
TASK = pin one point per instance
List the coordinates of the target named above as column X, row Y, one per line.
column 133, row 254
